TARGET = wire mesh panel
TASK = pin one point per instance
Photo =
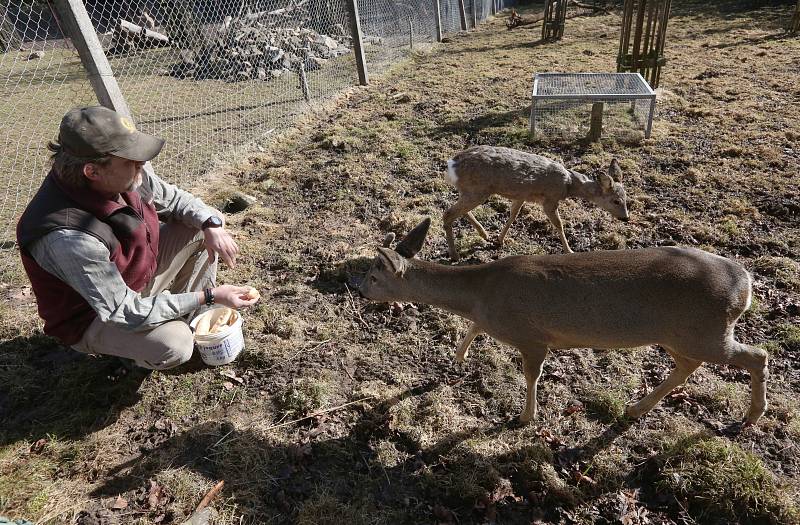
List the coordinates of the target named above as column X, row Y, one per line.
column 391, row 28
column 230, row 71
column 451, row 16
column 41, row 77
column 386, row 32
column 210, row 76
column 562, row 104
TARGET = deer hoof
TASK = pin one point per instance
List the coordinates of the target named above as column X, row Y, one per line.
column 526, row 417
column 632, row 412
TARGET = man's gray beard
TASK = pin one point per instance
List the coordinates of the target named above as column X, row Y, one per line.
column 136, row 184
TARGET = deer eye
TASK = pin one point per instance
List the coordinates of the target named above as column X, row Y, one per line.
column 618, row 202
column 373, row 279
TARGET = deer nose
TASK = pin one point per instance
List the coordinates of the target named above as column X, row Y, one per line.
column 625, row 218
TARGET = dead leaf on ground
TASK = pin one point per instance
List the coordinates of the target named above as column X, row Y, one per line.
column 580, row 477
column 230, row 374
column 119, row 503
column 155, row 495
column 38, row 446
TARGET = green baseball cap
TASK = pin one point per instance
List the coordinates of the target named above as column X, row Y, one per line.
column 97, row 131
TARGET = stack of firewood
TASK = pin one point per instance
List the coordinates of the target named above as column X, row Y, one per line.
column 263, row 45
column 260, row 53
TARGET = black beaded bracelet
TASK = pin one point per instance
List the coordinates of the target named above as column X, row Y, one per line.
column 209, row 296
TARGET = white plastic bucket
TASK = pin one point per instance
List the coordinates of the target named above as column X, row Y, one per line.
column 222, row 347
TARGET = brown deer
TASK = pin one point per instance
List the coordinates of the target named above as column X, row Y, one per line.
column 684, row 299
column 482, row 171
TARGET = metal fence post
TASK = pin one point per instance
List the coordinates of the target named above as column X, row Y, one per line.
column 438, row 20
column 358, row 43
column 463, row 13
column 78, row 27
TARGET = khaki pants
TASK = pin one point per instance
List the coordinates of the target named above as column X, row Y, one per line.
column 183, row 266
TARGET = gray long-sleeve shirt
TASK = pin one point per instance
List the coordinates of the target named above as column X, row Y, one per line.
column 83, row 262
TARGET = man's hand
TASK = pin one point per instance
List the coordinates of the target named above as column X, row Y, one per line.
column 217, row 240
column 233, row 296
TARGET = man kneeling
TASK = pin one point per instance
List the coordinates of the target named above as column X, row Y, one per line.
column 109, row 277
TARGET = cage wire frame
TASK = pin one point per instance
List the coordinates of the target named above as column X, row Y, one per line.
column 183, row 90
column 564, row 91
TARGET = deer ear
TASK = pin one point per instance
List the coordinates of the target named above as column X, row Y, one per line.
column 412, row 243
column 614, row 171
column 393, row 260
column 606, row 182
column 388, row 240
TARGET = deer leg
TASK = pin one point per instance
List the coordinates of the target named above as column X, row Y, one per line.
column 464, row 204
column 461, row 353
column 754, row 360
column 478, row 226
column 515, row 207
column 532, row 361
column 551, row 210
column 683, row 369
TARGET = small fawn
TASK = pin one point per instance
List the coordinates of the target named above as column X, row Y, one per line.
column 684, row 299
column 482, row 171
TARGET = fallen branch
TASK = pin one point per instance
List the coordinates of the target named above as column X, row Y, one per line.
column 353, row 306
column 581, row 5
column 211, row 495
column 318, row 413
column 516, row 20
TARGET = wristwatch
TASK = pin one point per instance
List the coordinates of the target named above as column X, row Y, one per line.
column 208, row 295
column 212, row 222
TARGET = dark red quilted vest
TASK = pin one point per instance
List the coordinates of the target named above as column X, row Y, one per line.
column 129, row 231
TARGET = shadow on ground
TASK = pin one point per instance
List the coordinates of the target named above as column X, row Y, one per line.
column 347, row 479
column 46, row 388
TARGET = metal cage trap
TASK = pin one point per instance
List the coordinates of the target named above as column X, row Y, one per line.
column 574, row 105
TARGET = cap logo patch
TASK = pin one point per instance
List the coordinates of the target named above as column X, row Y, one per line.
column 127, row 124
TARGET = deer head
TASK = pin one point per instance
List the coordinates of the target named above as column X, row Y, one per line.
column 610, row 195
column 384, row 280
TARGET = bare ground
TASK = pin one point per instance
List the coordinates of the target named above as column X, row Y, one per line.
column 410, row 436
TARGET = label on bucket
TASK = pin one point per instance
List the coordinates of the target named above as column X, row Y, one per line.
column 222, row 352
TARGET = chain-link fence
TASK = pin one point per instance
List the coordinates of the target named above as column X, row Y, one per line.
column 210, row 76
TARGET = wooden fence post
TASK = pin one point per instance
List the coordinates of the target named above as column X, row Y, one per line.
column 596, row 123
column 358, row 43
column 643, row 51
column 463, row 13
column 438, row 20
column 79, row 28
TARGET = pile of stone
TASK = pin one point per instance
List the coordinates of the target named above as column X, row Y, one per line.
column 247, row 49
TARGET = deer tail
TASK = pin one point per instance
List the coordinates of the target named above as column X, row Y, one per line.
column 451, row 172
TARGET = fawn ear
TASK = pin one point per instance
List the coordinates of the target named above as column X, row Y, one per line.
column 412, row 243
column 614, row 171
column 393, row 260
column 606, row 182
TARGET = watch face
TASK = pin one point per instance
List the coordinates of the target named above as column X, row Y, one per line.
column 213, row 222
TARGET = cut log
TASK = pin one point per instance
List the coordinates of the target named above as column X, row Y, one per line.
column 133, row 29
column 592, row 7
